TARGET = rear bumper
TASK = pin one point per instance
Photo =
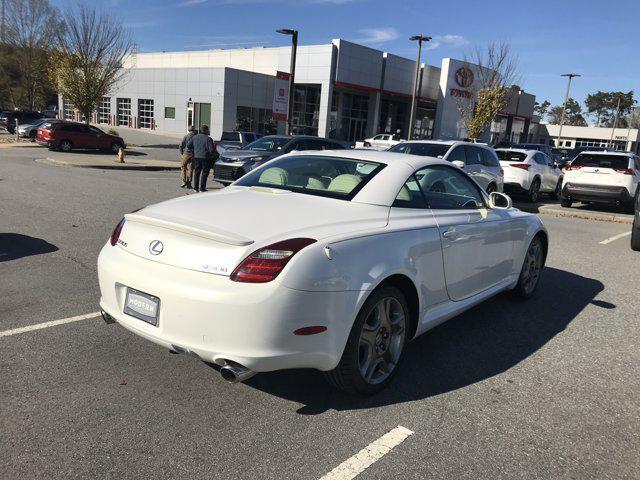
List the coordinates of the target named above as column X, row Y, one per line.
column 596, row 193
column 218, row 320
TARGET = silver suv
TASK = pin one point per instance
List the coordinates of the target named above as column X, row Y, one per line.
column 478, row 160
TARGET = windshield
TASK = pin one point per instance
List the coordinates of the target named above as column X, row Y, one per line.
column 331, row 177
column 508, row 156
column 601, row 161
column 437, row 150
column 230, row 137
column 268, row 144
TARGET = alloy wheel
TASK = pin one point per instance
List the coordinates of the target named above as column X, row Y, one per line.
column 381, row 340
column 532, row 267
column 65, row 146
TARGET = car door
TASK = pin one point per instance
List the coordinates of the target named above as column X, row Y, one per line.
column 540, row 168
column 477, row 242
column 96, row 138
column 552, row 173
column 474, row 165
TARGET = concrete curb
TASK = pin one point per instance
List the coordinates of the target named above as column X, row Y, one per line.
column 114, row 166
column 556, row 212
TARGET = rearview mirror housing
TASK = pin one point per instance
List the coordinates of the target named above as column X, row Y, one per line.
column 500, row 201
column 458, row 163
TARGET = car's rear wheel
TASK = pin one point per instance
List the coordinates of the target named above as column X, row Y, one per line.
column 635, row 235
column 65, row 146
column 555, row 195
column 531, row 269
column 534, row 191
column 566, row 202
column 376, row 345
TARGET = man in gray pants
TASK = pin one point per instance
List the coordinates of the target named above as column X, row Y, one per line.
column 203, row 152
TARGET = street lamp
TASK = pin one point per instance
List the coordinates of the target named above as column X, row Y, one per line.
column 292, row 69
column 520, row 92
column 564, row 105
column 420, row 39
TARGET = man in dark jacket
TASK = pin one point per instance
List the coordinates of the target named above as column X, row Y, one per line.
column 204, row 151
column 186, row 159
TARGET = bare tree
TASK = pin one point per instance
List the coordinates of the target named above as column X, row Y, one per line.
column 495, row 71
column 30, row 28
column 93, row 47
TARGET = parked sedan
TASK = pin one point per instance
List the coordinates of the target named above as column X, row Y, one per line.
column 8, row 119
column 29, row 130
column 382, row 141
column 233, row 164
column 327, row 260
column 67, row 136
column 477, row 159
column 530, row 172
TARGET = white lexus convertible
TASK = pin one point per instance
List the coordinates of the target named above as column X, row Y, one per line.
column 326, row 260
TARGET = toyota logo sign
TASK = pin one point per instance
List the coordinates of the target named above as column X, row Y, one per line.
column 156, row 247
column 464, row 77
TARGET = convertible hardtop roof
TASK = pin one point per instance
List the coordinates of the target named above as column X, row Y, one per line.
column 387, row 158
column 519, row 150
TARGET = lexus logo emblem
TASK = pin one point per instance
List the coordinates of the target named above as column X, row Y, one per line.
column 464, row 77
column 156, row 247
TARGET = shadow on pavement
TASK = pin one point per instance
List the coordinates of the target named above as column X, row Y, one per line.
column 14, row 246
column 482, row 342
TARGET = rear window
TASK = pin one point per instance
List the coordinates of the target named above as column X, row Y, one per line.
column 333, row 177
column 511, row 156
column 436, row 150
column 230, row 137
column 601, row 161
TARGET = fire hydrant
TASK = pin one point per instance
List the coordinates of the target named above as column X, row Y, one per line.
column 120, row 155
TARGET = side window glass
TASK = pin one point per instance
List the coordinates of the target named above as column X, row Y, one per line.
column 410, row 195
column 447, row 188
column 296, row 145
column 474, row 155
column 457, row 153
column 489, row 158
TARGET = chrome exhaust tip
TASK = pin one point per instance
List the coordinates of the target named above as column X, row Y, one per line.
column 234, row 372
column 108, row 319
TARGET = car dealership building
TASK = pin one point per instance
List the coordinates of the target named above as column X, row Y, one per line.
column 342, row 90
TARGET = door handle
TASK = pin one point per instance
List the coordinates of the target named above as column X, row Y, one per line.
column 450, row 234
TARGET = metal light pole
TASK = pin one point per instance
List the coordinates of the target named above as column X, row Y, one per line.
column 292, row 70
column 420, row 39
column 564, row 105
column 520, row 92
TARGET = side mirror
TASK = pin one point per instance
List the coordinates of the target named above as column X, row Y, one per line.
column 458, row 163
column 500, row 201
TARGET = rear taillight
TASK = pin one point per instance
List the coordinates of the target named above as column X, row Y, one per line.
column 572, row 167
column 626, row 171
column 523, row 166
column 265, row 264
column 116, row 233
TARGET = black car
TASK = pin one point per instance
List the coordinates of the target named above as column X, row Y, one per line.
column 8, row 119
column 233, row 164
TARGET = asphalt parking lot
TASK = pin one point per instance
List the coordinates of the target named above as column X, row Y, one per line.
column 548, row 388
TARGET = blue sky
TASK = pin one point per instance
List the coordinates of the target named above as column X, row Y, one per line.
column 594, row 38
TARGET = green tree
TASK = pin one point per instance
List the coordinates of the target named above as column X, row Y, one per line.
column 573, row 114
column 598, row 104
column 620, row 109
column 541, row 109
column 93, row 47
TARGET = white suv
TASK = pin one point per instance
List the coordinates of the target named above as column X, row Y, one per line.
column 477, row 159
column 602, row 177
column 530, row 172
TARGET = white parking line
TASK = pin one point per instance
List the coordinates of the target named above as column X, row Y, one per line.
column 370, row 454
column 614, row 238
column 52, row 323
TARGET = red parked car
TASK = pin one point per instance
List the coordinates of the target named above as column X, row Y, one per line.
column 67, row 136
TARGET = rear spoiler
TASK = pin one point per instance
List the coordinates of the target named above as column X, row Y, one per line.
column 203, row 231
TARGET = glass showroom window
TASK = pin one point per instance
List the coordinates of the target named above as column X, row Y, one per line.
column 145, row 113
column 124, row 111
column 169, row 112
column 104, row 110
column 306, row 109
column 257, row 120
column 68, row 110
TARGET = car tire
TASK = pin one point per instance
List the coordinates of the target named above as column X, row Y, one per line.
column 492, row 188
column 534, row 191
column 565, row 202
column 115, row 146
column 65, row 146
column 635, row 235
column 531, row 271
column 359, row 353
column 555, row 195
